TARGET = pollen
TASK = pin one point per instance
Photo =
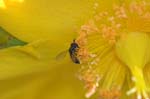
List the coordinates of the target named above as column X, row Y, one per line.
column 120, row 12
column 110, row 94
column 90, row 78
column 109, row 33
column 114, row 50
column 139, row 8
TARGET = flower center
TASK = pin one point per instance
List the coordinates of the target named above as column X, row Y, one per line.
column 110, row 44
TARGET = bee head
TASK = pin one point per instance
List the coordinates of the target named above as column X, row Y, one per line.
column 74, row 40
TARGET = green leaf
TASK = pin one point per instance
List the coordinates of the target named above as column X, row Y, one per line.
column 7, row 40
column 4, row 35
column 15, row 42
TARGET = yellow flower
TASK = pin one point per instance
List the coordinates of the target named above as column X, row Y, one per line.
column 31, row 71
column 113, row 50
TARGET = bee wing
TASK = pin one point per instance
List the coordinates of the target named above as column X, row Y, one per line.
column 61, row 55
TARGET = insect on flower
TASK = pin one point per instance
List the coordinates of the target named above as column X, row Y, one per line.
column 73, row 51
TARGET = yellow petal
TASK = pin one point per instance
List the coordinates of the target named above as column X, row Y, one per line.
column 31, row 72
column 2, row 4
column 33, row 57
column 57, row 83
column 35, row 19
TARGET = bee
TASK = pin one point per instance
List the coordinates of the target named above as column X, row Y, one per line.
column 73, row 52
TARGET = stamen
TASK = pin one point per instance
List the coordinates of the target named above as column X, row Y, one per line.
column 91, row 87
column 110, row 94
column 91, row 80
column 146, row 15
column 139, row 8
column 93, row 55
column 91, row 92
column 133, row 79
column 139, row 96
column 111, row 19
column 120, row 12
column 90, row 27
column 140, row 87
column 145, row 95
column 83, row 54
column 109, row 33
column 96, row 40
column 96, row 6
column 131, row 91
